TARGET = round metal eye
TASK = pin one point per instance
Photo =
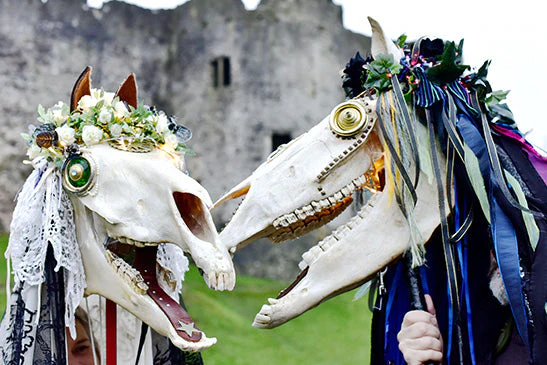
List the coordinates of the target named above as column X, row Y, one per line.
column 78, row 174
column 348, row 118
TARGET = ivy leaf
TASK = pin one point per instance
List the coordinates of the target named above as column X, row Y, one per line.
column 480, row 83
column 449, row 69
column 401, row 41
column 495, row 97
column 380, row 72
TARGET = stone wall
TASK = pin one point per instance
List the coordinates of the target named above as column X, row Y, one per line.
column 284, row 60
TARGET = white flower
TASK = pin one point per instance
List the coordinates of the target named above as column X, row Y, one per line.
column 115, row 130
column 33, row 151
column 108, row 98
column 120, row 110
column 66, row 135
column 162, row 125
column 91, row 135
column 105, row 116
column 59, row 113
column 171, row 141
column 86, row 102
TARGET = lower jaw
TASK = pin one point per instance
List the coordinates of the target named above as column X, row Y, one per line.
column 145, row 262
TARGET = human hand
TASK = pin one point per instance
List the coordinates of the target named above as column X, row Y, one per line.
column 420, row 339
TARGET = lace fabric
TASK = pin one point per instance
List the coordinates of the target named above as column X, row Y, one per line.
column 30, row 335
column 172, row 265
column 44, row 217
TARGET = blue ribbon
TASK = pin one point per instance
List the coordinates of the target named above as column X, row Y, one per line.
column 503, row 232
column 506, row 244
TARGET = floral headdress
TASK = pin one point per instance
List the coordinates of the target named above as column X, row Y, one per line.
column 102, row 116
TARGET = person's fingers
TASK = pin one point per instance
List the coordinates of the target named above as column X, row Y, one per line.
column 430, row 305
column 422, row 343
column 417, row 330
column 416, row 357
column 418, row 316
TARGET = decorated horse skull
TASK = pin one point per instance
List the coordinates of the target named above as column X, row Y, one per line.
column 437, row 148
column 111, row 195
column 308, row 182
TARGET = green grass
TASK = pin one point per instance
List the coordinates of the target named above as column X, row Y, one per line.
column 336, row 332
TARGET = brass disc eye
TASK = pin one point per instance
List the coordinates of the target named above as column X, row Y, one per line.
column 78, row 174
column 348, row 118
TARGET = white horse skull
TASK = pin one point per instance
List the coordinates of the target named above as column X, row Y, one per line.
column 307, row 183
column 125, row 205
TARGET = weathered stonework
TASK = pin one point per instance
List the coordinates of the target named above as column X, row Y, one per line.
column 284, row 60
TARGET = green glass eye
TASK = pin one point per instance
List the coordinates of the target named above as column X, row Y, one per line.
column 77, row 174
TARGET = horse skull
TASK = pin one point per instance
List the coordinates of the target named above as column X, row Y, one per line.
column 307, row 183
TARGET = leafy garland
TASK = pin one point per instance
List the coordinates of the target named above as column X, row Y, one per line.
column 102, row 117
column 441, row 62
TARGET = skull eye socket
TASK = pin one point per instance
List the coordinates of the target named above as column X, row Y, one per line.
column 348, row 119
column 78, row 174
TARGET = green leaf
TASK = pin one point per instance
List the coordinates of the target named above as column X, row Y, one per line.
column 495, row 97
column 401, row 41
column 449, row 69
column 380, row 72
column 26, row 137
column 480, row 82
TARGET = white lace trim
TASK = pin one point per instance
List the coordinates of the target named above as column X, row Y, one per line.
column 172, row 265
column 44, row 215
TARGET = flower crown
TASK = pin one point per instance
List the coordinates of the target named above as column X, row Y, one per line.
column 100, row 116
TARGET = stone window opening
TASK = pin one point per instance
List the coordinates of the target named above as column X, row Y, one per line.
column 221, row 72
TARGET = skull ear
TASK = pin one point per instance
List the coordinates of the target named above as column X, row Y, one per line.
column 81, row 87
column 128, row 91
column 381, row 44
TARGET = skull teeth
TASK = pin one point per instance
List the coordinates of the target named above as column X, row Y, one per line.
column 129, row 241
column 310, row 256
column 131, row 275
column 315, row 214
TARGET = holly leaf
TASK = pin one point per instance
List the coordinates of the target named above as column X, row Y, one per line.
column 380, row 72
column 449, row 69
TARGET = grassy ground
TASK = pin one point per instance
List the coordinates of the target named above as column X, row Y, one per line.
column 336, row 332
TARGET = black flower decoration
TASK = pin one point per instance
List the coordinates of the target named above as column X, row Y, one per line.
column 354, row 76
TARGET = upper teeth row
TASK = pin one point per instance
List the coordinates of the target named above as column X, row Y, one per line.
column 313, row 253
column 318, row 206
column 131, row 275
column 129, row 241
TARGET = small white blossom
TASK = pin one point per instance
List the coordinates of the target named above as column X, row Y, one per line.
column 91, row 135
column 120, row 110
column 33, row 151
column 115, row 130
column 86, row 102
column 105, row 116
column 108, row 98
column 171, row 141
column 162, row 125
column 66, row 135
column 59, row 113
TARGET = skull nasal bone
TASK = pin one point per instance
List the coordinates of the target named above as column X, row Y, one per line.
column 194, row 214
